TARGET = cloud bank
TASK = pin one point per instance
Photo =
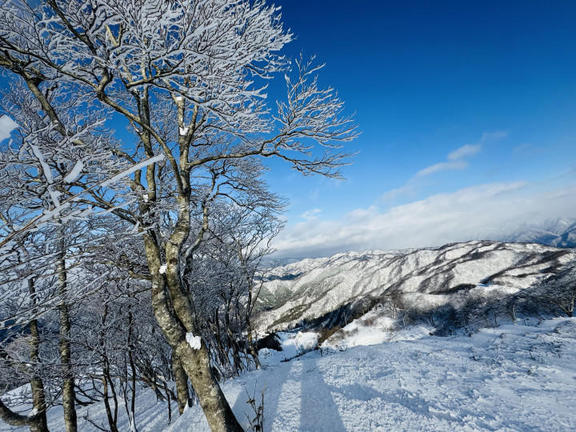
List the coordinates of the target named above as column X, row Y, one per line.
column 490, row 211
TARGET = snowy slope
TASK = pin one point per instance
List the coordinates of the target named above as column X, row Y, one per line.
column 152, row 415
column 422, row 279
column 513, row 378
column 510, row 378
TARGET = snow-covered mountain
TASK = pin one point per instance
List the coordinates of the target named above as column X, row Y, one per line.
column 435, row 284
column 556, row 232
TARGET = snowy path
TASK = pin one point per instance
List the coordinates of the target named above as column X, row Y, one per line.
column 512, row 378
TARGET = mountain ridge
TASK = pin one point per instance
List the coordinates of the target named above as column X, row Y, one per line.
column 559, row 232
column 329, row 292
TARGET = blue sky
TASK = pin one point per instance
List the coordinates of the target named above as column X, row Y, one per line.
column 496, row 80
column 468, row 118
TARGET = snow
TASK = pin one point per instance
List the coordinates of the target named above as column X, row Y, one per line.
column 293, row 345
column 152, row 415
column 162, row 269
column 45, row 167
column 47, row 172
column 304, row 341
column 183, row 131
column 510, row 378
column 7, row 125
column 132, row 169
column 195, row 342
column 424, row 278
column 75, row 173
column 359, row 332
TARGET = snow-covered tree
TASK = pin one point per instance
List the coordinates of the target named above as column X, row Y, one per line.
column 221, row 274
column 189, row 78
column 38, row 169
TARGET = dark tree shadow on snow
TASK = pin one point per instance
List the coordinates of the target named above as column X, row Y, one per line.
column 318, row 411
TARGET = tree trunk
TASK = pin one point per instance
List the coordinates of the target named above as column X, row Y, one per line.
column 174, row 325
column 36, row 422
column 132, row 413
column 68, row 395
column 111, row 417
column 196, row 363
column 15, row 419
column 36, row 383
column 107, row 379
column 181, row 380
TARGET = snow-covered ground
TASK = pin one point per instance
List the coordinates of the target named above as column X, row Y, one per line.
column 511, row 378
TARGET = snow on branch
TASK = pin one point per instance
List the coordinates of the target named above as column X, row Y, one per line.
column 133, row 169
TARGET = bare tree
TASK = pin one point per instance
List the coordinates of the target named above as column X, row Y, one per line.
column 190, row 79
column 556, row 294
column 38, row 169
column 28, row 364
column 221, row 274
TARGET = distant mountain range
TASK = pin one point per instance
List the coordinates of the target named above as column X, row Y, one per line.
column 459, row 285
column 558, row 233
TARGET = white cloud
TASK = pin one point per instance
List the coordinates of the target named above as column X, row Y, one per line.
column 311, row 214
column 7, row 125
column 442, row 166
column 455, row 160
column 481, row 212
column 465, row 151
column 405, row 190
column 493, row 136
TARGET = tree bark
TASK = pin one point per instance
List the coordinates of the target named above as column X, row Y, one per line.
column 68, row 394
column 174, row 316
column 196, row 363
column 181, row 380
column 132, row 412
column 111, row 417
column 13, row 418
column 36, row 422
column 36, row 384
